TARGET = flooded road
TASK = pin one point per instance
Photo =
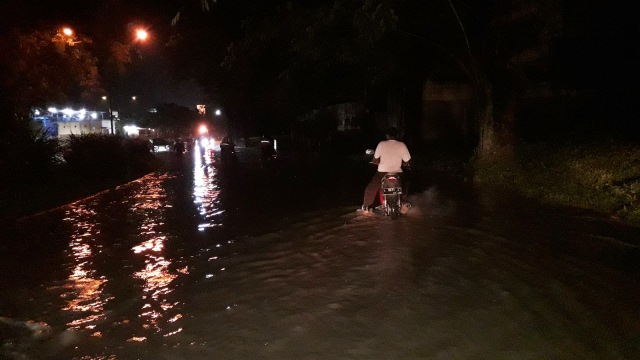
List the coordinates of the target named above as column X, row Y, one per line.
column 269, row 261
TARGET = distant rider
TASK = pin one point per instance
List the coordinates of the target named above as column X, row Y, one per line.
column 179, row 146
column 267, row 151
column 227, row 149
column 390, row 156
column 227, row 143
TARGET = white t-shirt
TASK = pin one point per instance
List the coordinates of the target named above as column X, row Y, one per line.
column 391, row 154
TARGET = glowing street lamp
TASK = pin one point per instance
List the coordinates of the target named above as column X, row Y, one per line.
column 67, row 35
column 203, row 130
column 142, row 34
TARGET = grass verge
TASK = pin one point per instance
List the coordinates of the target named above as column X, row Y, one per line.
column 604, row 177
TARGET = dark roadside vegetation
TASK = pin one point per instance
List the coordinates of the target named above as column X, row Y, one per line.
column 598, row 175
column 602, row 176
column 39, row 173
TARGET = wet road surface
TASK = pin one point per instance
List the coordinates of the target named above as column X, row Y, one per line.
column 270, row 261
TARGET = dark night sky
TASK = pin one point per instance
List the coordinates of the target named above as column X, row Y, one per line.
column 603, row 56
column 148, row 77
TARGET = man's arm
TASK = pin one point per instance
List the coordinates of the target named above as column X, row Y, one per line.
column 377, row 154
column 406, row 157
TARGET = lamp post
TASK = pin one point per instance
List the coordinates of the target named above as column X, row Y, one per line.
column 108, row 99
column 68, row 36
column 141, row 35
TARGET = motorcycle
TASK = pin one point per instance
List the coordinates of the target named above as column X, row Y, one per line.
column 228, row 151
column 267, row 150
column 390, row 193
column 179, row 147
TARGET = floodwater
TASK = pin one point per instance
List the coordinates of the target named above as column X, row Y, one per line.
column 270, row 261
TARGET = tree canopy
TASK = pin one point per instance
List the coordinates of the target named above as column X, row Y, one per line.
column 310, row 53
column 44, row 66
column 300, row 55
column 172, row 120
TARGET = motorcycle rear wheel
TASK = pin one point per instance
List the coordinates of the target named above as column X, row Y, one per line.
column 393, row 206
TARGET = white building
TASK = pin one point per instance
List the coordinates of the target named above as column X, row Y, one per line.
column 62, row 123
column 81, row 127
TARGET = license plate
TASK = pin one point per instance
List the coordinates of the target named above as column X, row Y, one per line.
column 390, row 191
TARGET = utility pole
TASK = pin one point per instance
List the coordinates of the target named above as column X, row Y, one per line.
column 108, row 99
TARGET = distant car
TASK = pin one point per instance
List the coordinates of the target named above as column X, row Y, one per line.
column 160, row 144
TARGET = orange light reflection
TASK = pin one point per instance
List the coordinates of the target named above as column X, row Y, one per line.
column 157, row 275
column 84, row 290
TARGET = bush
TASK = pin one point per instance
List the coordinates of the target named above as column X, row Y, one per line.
column 28, row 156
column 107, row 156
column 604, row 177
column 28, row 160
column 139, row 156
column 95, row 156
column 37, row 176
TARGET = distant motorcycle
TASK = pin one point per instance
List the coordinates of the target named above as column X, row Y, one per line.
column 179, row 147
column 267, row 150
column 228, row 151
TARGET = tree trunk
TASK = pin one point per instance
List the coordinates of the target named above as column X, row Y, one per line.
column 497, row 132
column 508, row 124
column 489, row 143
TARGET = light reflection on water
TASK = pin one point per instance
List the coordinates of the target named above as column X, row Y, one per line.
column 89, row 293
column 84, row 289
column 205, row 189
column 329, row 286
column 157, row 273
column 86, row 293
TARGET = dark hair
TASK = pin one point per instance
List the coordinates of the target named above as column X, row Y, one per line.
column 392, row 132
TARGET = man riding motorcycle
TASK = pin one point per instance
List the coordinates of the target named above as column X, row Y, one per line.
column 390, row 155
column 228, row 150
column 179, row 146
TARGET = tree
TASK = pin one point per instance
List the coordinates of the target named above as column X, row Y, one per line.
column 37, row 67
column 204, row 32
column 311, row 53
column 172, row 120
column 43, row 66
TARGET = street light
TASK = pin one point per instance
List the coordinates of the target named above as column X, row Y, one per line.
column 67, row 35
column 142, row 34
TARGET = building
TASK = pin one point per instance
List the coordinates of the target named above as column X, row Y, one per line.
column 61, row 123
